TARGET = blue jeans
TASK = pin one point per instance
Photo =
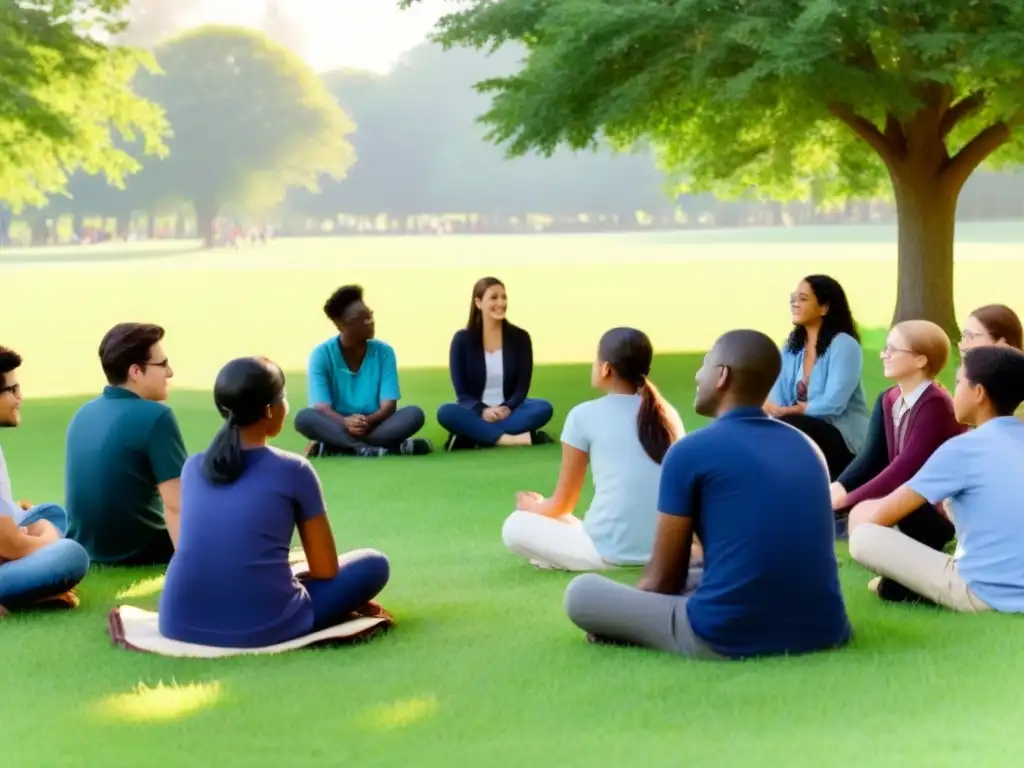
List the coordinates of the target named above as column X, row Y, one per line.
column 362, row 574
column 533, row 414
column 49, row 571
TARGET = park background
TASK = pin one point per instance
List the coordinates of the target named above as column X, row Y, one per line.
column 347, row 149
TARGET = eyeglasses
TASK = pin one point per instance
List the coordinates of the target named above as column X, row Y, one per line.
column 970, row 336
column 165, row 363
column 14, row 389
column 889, row 349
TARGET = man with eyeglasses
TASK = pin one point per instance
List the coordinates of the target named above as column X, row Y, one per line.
column 125, row 453
column 37, row 564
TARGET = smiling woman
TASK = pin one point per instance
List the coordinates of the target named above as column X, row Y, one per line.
column 491, row 366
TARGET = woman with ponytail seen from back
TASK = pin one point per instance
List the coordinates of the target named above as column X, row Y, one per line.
column 229, row 583
column 623, row 436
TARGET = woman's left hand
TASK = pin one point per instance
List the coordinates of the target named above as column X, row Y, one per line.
column 529, row 501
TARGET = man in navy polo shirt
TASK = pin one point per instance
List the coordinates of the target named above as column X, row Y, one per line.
column 755, row 492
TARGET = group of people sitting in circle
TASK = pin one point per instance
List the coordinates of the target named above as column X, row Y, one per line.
column 733, row 524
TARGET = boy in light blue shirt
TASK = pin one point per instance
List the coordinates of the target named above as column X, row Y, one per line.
column 353, row 389
column 979, row 474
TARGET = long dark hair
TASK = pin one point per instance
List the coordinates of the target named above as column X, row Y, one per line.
column 838, row 319
column 475, row 324
column 244, row 389
column 629, row 353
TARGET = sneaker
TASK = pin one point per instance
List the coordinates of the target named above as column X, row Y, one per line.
column 415, row 446
column 874, row 584
column 67, row 600
column 459, row 443
column 541, row 565
column 314, row 450
column 371, row 451
column 540, row 437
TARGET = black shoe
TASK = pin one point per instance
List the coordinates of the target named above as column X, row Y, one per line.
column 371, row 451
column 540, row 437
column 459, row 443
column 893, row 592
column 314, row 450
column 415, row 446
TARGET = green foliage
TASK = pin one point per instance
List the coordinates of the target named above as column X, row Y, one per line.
column 65, row 99
column 250, row 120
column 746, row 93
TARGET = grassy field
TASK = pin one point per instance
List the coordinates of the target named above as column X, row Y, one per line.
column 483, row 667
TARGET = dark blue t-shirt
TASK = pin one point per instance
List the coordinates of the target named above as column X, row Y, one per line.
column 758, row 491
column 229, row 583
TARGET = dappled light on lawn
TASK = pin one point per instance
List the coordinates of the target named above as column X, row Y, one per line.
column 160, row 703
column 399, row 714
column 142, row 588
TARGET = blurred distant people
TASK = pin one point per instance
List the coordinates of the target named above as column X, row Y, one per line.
column 353, row 389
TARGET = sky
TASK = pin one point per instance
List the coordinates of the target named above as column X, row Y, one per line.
column 363, row 34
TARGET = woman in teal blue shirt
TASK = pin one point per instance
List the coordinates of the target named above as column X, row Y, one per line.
column 819, row 390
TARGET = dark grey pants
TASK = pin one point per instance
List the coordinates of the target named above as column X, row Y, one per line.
column 390, row 433
column 614, row 611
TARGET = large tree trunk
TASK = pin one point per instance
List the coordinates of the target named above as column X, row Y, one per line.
column 926, row 218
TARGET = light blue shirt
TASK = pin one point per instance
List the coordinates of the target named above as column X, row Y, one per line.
column 624, row 510
column 835, row 393
column 333, row 383
column 980, row 473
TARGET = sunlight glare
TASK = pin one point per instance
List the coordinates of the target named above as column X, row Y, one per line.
column 161, row 703
column 400, row 713
column 142, row 588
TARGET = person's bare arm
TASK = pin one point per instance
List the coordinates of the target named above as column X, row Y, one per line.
column 886, row 511
column 332, row 414
column 669, row 565
column 16, row 543
column 319, row 547
column 387, row 408
column 170, row 492
column 571, row 476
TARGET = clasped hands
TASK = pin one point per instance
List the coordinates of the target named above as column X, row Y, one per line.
column 357, row 425
column 497, row 413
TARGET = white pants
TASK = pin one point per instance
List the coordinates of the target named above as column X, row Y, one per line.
column 551, row 542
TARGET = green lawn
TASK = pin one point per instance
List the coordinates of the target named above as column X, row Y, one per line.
column 483, row 668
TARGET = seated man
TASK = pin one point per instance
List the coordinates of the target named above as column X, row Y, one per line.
column 979, row 474
column 37, row 564
column 125, row 454
column 353, row 389
column 756, row 493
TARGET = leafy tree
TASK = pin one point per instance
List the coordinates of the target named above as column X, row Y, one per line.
column 781, row 95
column 250, row 120
column 65, row 98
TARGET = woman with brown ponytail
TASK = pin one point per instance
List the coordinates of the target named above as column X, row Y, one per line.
column 623, row 436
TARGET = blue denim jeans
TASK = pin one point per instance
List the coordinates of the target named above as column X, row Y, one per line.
column 49, row 571
column 533, row 414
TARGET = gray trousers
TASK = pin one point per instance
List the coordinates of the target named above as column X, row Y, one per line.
column 616, row 612
column 390, row 433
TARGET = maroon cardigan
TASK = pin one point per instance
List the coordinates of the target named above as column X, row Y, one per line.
column 878, row 470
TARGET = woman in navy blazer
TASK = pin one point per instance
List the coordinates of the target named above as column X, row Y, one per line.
column 491, row 365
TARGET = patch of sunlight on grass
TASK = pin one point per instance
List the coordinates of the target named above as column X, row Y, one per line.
column 159, row 704
column 143, row 588
column 401, row 713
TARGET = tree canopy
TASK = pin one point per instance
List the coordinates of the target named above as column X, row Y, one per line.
column 776, row 96
column 250, row 120
column 65, row 99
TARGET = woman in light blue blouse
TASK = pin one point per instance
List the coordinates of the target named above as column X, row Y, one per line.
column 819, row 390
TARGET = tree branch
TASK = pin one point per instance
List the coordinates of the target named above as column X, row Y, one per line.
column 976, row 151
column 962, row 109
column 864, row 128
column 895, row 135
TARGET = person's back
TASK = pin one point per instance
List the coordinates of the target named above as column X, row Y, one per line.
column 230, row 583
column 120, row 447
column 771, row 580
column 622, row 515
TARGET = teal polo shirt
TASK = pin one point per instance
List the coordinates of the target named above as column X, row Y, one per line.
column 332, row 382
column 120, row 447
